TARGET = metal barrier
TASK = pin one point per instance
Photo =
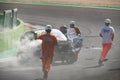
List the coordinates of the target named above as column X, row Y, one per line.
column 8, row 19
column 14, row 17
column 1, row 22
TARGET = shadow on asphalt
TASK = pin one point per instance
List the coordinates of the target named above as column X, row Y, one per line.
column 89, row 58
column 39, row 79
column 58, row 64
column 115, row 69
column 94, row 66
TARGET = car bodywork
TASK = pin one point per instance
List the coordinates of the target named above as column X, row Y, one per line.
column 63, row 51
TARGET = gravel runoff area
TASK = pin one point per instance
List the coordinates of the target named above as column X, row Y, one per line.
column 82, row 2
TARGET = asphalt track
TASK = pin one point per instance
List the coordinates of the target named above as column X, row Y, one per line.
column 90, row 21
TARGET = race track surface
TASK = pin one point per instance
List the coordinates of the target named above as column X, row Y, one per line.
column 90, row 21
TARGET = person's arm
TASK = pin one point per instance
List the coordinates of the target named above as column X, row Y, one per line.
column 101, row 35
column 68, row 34
column 56, row 41
column 112, row 36
column 77, row 31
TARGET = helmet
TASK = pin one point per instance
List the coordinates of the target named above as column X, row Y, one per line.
column 107, row 21
column 64, row 26
column 48, row 27
column 72, row 22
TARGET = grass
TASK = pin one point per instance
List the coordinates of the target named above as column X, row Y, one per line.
column 8, row 37
column 44, row 2
column 8, row 53
column 77, row 5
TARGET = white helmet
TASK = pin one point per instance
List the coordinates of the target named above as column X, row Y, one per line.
column 107, row 21
column 48, row 27
column 72, row 22
column 65, row 26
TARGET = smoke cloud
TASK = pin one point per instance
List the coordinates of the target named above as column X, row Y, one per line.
column 29, row 51
column 28, row 54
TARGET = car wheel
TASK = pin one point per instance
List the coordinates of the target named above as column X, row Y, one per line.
column 72, row 58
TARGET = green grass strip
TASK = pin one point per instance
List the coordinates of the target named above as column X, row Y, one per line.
column 62, row 4
column 74, row 5
column 8, row 53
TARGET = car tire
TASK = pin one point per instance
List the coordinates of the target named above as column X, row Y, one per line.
column 72, row 58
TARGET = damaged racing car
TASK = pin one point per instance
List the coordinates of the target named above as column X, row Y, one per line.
column 64, row 52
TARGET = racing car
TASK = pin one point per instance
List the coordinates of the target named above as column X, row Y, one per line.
column 63, row 51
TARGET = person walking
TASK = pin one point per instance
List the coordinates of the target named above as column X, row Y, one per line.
column 72, row 33
column 48, row 43
column 107, row 34
column 63, row 29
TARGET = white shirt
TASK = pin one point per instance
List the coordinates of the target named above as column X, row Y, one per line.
column 106, row 33
column 71, row 33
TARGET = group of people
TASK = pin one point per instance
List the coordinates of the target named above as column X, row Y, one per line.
column 49, row 41
column 72, row 33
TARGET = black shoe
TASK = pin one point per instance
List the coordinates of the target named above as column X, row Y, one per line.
column 105, row 60
column 44, row 79
column 100, row 63
column 39, row 79
column 45, row 75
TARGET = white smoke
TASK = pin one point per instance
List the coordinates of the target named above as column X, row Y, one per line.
column 28, row 54
column 29, row 51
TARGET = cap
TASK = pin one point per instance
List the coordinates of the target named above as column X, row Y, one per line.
column 65, row 26
column 48, row 27
column 72, row 22
column 107, row 21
